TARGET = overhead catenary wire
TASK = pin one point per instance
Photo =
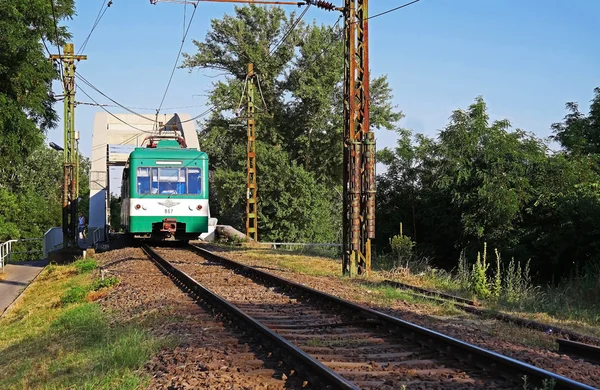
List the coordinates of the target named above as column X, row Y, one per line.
column 392, row 10
column 96, row 22
column 109, row 98
column 177, row 59
column 290, row 30
column 62, row 76
column 111, row 114
column 333, row 40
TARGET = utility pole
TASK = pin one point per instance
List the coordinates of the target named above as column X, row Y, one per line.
column 359, row 144
column 71, row 156
column 251, row 198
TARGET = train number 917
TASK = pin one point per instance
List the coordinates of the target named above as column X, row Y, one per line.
column 168, row 211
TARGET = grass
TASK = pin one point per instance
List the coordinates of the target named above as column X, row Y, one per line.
column 571, row 305
column 55, row 338
column 553, row 309
column 365, row 291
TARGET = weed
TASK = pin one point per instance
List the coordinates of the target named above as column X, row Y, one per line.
column 86, row 320
column 73, row 295
column 463, row 273
column 496, row 287
column 85, row 265
column 104, row 283
column 131, row 349
column 479, row 283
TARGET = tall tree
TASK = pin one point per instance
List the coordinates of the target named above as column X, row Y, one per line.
column 301, row 81
column 26, row 74
column 578, row 134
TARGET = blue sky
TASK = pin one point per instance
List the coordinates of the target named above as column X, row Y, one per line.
column 527, row 58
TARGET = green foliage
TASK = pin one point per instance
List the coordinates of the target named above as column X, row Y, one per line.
column 479, row 282
column 496, row 287
column 579, row 134
column 73, row 295
column 115, row 213
column 480, row 180
column 85, row 265
column 463, row 272
column 299, row 149
column 402, row 247
column 104, row 283
column 26, row 75
column 293, row 207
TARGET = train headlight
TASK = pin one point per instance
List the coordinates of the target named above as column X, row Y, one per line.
column 199, row 207
column 137, row 206
column 144, row 207
column 191, row 208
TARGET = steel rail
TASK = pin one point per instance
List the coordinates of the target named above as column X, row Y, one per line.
column 588, row 352
column 436, row 294
column 470, row 307
column 477, row 355
column 313, row 365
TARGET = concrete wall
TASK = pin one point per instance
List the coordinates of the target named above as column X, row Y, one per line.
column 109, row 130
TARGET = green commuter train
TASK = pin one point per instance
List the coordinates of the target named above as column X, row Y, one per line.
column 164, row 191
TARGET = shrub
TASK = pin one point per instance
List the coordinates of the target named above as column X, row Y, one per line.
column 402, row 247
column 496, row 287
column 104, row 283
column 73, row 295
column 85, row 265
column 479, row 283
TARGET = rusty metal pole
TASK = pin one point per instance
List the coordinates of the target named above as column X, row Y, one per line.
column 251, row 189
column 71, row 155
column 359, row 144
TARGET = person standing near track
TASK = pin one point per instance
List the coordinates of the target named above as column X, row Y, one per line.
column 81, row 226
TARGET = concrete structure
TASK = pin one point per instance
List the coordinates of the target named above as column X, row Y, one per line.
column 113, row 139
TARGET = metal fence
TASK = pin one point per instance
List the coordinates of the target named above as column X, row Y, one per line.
column 20, row 250
column 53, row 240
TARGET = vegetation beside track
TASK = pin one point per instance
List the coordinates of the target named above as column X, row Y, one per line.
column 373, row 291
column 57, row 336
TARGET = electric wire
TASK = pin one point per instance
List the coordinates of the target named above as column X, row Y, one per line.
column 111, row 99
column 96, row 22
column 111, row 114
column 290, row 30
column 392, row 10
column 62, row 76
column 271, row 52
column 177, row 59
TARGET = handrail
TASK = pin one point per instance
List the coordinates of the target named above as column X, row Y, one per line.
column 6, row 251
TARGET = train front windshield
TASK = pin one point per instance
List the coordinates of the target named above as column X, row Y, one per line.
column 169, row 181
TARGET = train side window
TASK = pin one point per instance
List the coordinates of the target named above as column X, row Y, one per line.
column 194, row 180
column 143, row 181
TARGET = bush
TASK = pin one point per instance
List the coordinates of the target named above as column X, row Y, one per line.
column 479, row 283
column 85, row 265
column 73, row 295
column 104, row 283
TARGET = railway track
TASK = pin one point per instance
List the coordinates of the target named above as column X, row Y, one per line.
column 574, row 344
column 341, row 344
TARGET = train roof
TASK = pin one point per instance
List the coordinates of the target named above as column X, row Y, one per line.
column 167, row 149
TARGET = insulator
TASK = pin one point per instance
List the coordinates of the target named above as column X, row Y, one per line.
column 322, row 4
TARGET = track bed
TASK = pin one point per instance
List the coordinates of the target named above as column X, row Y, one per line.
column 364, row 351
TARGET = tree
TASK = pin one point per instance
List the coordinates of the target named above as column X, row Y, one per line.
column 33, row 203
column 293, row 206
column 301, row 80
column 579, row 135
column 26, row 74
